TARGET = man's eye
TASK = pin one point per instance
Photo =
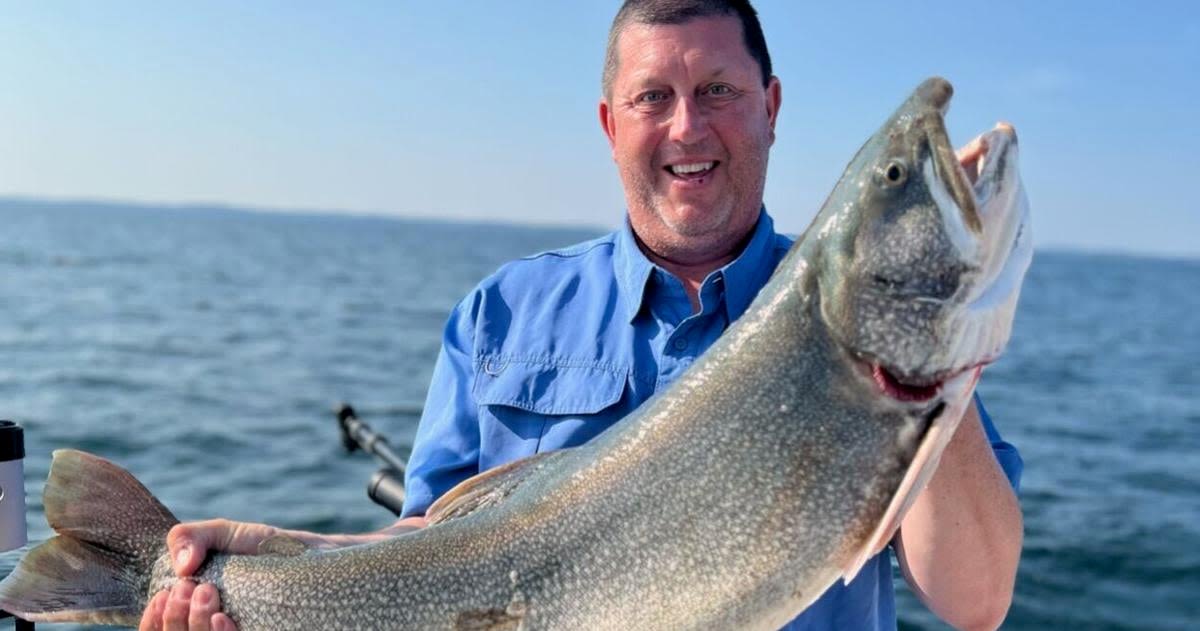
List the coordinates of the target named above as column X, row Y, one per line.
column 650, row 98
column 719, row 89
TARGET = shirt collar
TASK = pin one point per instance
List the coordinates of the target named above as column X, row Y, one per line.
column 633, row 270
column 742, row 277
column 747, row 274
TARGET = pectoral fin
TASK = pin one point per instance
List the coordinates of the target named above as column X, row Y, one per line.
column 486, row 489
column 923, row 464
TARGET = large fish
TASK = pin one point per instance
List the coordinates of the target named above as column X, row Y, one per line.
column 776, row 465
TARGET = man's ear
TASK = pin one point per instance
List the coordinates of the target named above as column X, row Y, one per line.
column 774, row 100
column 608, row 123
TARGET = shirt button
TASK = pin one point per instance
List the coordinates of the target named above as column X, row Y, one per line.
column 680, row 344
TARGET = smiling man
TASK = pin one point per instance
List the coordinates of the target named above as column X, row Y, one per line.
column 552, row 349
column 690, row 115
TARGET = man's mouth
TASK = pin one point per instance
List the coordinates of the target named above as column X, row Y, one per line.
column 691, row 170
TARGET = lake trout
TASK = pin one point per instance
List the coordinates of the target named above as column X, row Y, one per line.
column 779, row 463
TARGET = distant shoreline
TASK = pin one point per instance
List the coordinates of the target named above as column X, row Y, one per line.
column 51, row 203
column 71, row 203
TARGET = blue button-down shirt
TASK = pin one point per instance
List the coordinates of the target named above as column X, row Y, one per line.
column 554, row 348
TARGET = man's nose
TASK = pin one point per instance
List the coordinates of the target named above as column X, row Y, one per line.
column 688, row 123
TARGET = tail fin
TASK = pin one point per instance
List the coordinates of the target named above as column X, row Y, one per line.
column 111, row 532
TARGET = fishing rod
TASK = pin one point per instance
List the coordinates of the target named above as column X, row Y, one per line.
column 386, row 487
column 12, row 498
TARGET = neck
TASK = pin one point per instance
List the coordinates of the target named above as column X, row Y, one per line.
column 692, row 270
column 692, row 275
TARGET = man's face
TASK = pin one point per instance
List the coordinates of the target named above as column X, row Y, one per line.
column 690, row 125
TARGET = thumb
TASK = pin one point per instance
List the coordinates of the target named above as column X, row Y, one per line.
column 190, row 543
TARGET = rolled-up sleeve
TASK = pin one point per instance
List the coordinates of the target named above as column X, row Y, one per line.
column 446, row 447
column 1006, row 454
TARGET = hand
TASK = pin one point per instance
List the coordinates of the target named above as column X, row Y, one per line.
column 186, row 606
column 198, row 607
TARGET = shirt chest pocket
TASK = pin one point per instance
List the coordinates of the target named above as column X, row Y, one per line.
column 526, row 407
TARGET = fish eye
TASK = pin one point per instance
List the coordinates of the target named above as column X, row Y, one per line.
column 895, row 173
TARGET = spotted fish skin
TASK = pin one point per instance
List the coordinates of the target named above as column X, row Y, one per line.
column 775, row 466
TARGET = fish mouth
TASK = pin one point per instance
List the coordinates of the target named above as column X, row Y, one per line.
column 973, row 188
column 1005, row 246
column 996, row 246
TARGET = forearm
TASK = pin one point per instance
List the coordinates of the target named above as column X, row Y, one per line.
column 960, row 543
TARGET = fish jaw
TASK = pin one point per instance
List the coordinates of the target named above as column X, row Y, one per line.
column 922, row 271
column 976, row 326
column 985, row 322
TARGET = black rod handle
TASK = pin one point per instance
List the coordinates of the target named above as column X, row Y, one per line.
column 386, row 487
column 358, row 435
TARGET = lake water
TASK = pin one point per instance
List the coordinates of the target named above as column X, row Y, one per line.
column 203, row 349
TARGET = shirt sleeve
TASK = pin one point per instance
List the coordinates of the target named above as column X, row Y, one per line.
column 1006, row 454
column 446, row 448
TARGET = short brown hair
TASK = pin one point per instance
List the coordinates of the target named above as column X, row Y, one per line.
column 678, row 12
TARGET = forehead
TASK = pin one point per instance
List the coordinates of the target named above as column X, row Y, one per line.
column 701, row 46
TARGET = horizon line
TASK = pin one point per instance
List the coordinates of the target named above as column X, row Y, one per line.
column 250, row 208
column 267, row 209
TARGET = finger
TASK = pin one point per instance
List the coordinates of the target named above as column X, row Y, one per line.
column 972, row 150
column 152, row 617
column 222, row 622
column 971, row 155
column 181, row 543
column 189, row 544
column 205, row 603
column 175, row 616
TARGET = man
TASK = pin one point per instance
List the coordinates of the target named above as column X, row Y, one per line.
column 553, row 349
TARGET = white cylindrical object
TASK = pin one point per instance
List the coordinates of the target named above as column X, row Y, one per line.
column 12, row 486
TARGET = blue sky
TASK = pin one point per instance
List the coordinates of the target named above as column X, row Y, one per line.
column 480, row 109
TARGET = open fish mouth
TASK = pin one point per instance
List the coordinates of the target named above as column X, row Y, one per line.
column 1005, row 247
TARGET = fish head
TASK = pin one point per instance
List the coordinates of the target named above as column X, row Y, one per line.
column 922, row 254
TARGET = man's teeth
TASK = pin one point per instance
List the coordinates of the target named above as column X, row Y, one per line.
column 687, row 169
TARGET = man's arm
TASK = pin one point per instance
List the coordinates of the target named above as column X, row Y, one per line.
column 446, row 448
column 959, row 544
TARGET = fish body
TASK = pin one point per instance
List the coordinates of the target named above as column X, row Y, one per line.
column 778, row 464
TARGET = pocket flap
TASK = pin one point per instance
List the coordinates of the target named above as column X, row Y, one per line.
column 547, row 388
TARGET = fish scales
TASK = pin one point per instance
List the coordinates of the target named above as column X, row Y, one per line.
column 773, row 467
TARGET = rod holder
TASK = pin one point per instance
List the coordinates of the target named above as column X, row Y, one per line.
column 12, row 498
